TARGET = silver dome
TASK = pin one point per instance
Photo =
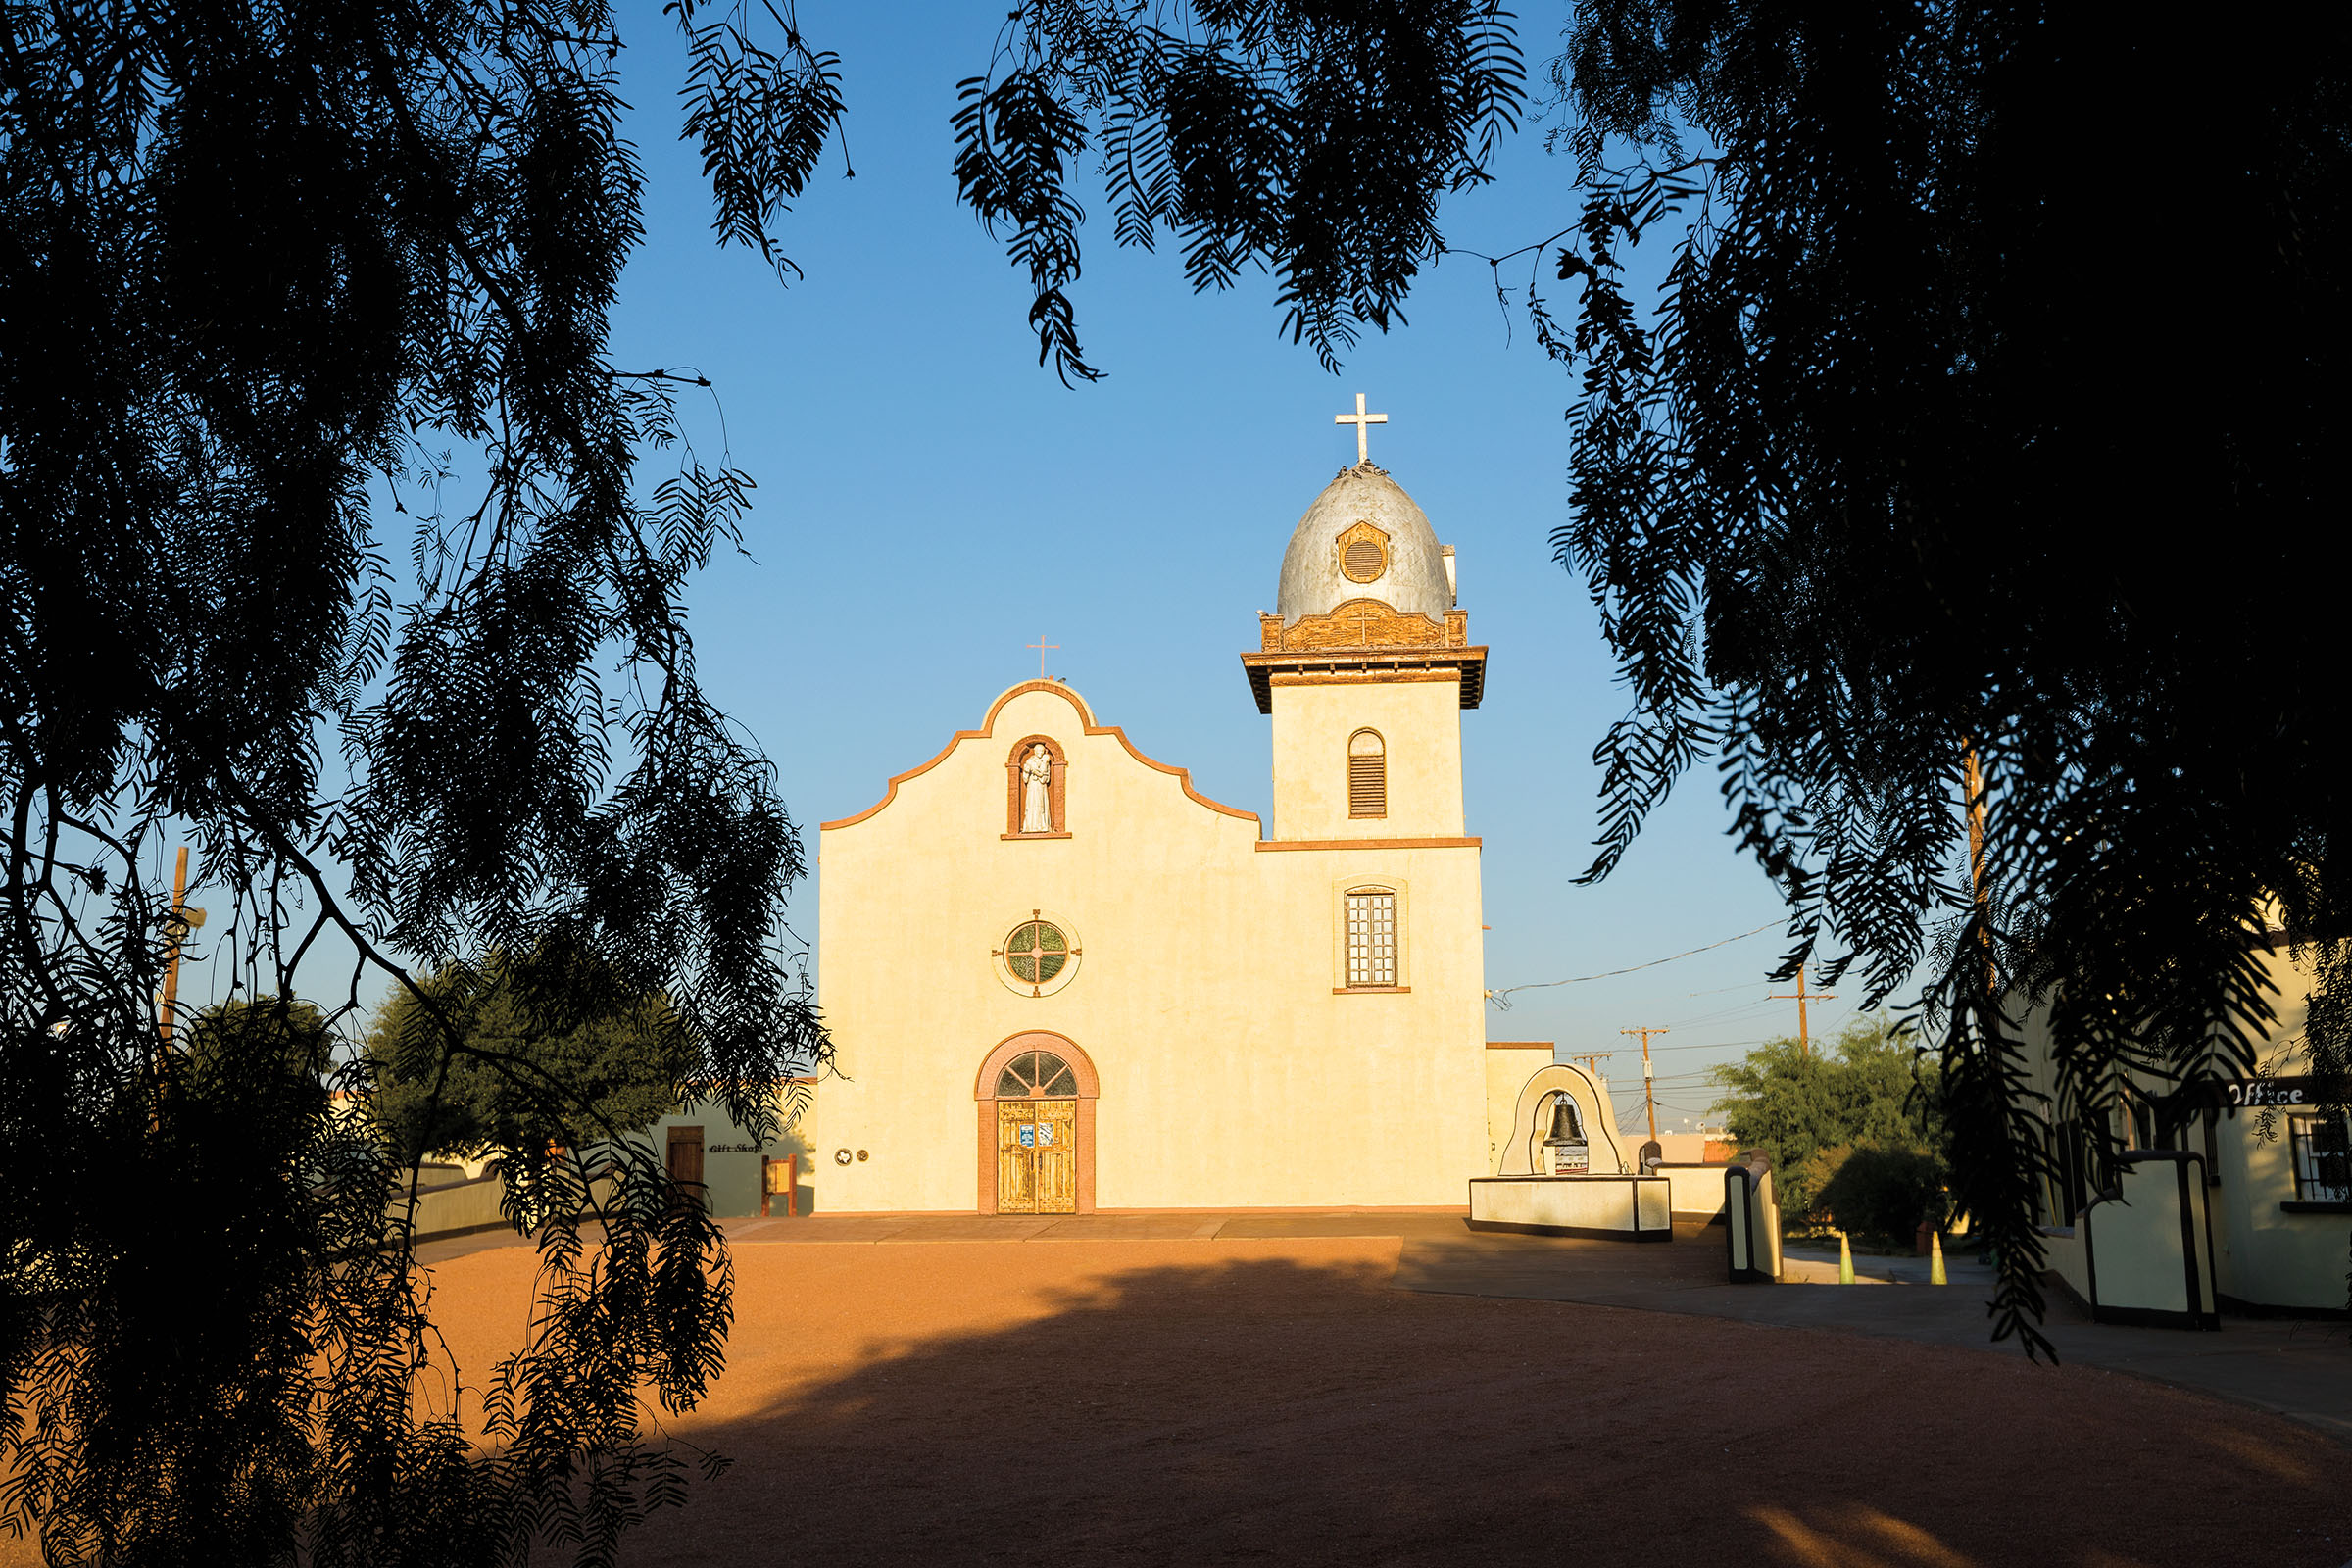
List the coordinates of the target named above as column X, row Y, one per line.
column 1313, row 581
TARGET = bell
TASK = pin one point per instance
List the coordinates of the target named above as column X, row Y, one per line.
column 1563, row 1121
column 1565, row 1152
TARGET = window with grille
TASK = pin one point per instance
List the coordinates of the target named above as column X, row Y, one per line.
column 2323, row 1158
column 1037, row 950
column 1363, row 561
column 1367, row 774
column 1372, row 937
column 1036, row 1075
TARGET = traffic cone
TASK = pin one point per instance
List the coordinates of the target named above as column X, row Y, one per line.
column 1935, row 1259
column 1845, row 1260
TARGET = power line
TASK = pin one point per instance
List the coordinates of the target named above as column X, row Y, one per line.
column 1501, row 999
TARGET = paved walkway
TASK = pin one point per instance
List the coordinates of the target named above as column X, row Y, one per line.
column 2302, row 1370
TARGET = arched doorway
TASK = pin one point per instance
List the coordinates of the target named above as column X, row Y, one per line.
column 1036, row 1095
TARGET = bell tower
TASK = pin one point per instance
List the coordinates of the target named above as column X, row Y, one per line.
column 1365, row 667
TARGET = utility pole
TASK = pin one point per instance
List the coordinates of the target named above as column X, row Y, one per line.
column 184, row 920
column 1804, row 1032
column 1650, row 1099
column 1973, row 780
column 1592, row 1062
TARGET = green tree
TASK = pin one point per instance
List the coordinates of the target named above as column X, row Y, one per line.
column 1879, row 1192
column 1856, row 1090
column 249, row 1048
column 618, row 1066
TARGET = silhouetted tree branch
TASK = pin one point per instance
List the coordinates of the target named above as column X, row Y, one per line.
column 258, row 262
column 1926, row 449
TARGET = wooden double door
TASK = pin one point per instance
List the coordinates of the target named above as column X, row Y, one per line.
column 1037, row 1157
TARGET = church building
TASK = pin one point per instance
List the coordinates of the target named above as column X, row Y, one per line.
column 1061, row 979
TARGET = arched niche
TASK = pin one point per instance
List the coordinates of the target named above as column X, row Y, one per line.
column 1530, row 1120
column 1057, row 789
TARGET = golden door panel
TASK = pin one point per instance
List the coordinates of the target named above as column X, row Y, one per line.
column 1057, row 1155
column 1016, row 1158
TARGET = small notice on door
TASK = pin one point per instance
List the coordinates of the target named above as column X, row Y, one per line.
column 1045, row 1135
column 1028, row 1135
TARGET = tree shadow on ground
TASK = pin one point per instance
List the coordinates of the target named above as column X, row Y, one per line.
column 1297, row 1410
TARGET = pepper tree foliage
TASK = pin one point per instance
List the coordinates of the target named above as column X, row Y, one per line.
column 1311, row 139
column 1927, row 448
column 260, row 262
column 1991, row 402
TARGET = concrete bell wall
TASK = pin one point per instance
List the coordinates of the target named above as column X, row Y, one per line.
column 1522, row 1127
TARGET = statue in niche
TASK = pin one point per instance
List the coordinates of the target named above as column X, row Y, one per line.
column 1037, row 790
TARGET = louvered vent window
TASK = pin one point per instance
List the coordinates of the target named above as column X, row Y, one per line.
column 1372, row 937
column 1367, row 774
column 1364, row 560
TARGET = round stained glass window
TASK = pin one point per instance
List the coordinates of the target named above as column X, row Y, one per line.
column 1037, row 950
column 1038, row 956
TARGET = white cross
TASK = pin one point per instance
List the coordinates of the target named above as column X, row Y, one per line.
column 1359, row 419
column 1041, row 645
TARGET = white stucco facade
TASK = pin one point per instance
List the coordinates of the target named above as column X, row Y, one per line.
column 1225, row 1051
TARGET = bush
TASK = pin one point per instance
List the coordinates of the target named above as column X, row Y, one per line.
column 1866, row 1088
column 1879, row 1192
column 1801, row 1184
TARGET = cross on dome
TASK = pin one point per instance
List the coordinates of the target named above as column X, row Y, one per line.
column 1362, row 420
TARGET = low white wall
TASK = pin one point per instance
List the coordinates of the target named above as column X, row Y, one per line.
column 455, row 1207
column 1751, row 1210
column 1617, row 1205
column 2136, row 1246
column 2139, row 1260
column 2289, row 1260
column 1696, row 1190
column 1768, row 1218
column 2061, row 1256
column 2126, row 1254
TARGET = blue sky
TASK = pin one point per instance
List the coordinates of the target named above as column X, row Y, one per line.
column 931, row 500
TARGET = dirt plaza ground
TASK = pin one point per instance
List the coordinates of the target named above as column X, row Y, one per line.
column 1207, row 1396
column 1390, row 1389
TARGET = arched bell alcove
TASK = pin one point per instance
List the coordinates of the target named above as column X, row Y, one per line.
column 1530, row 1120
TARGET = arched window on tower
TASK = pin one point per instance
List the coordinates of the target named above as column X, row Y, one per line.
column 1367, row 774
